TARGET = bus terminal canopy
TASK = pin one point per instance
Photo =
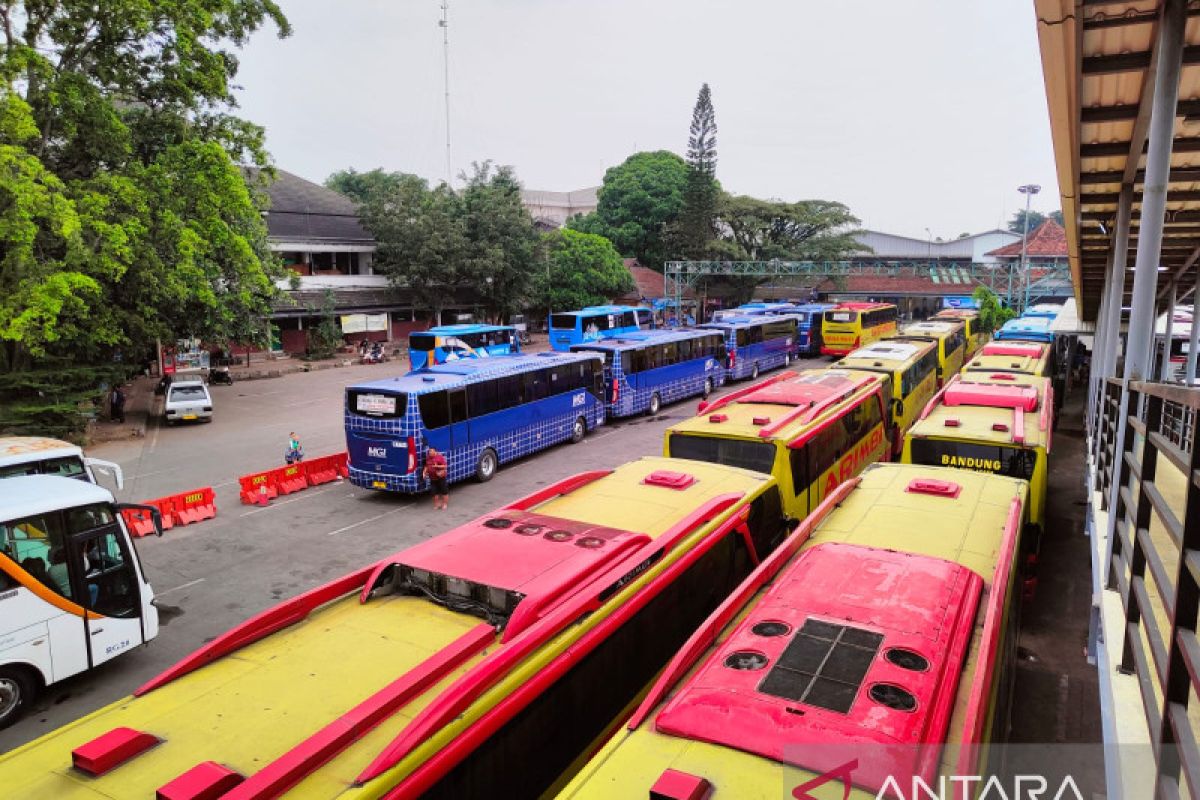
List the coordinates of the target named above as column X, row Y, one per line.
column 1100, row 61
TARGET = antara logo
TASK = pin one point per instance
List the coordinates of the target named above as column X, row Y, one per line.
column 377, row 452
column 1033, row 787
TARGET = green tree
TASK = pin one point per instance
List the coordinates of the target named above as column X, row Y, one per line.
column 126, row 216
column 808, row 230
column 580, row 269
column 1017, row 223
column 991, row 313
column 638, row 200
column 365, row 188
column 701, row 194
column 501, row 241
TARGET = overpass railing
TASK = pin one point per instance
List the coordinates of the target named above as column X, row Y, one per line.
column 1155, row 560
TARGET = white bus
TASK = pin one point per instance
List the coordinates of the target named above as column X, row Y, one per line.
column 38, row 455
column 72, row 591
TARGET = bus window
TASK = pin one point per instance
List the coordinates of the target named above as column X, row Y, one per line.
column 1015, row 462
column 482, row 398
column 17, row 470
column 842, row 316
column 645, row 318
column 861, row 419
column 825, row 449
column 435, row 413
column 510, row 391
column 563, row 321
column 108, row 575
column 535, row 385
column 670, row 354
column 757, row 456
column 766, row 522
column 458, row 405
column 36, row 545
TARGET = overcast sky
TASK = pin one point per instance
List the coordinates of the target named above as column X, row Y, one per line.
column 925, row 114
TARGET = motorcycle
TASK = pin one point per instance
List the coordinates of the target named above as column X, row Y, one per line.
column 221, row 375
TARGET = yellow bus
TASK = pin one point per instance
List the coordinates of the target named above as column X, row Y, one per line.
column 883, row 629
column 811, row 431
column 951, row 344
column 976, row 336
column 912, row 368
column 849, row 326
column 487, row 661
column 1020, row 358
column 1002, row 425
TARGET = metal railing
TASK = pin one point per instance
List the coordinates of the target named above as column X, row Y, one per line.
column 1157, row 533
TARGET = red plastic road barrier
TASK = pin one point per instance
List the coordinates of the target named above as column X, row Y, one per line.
column 325, row 469
column 291, row 478
column 194, row 506
column 259, row 488
column 139, row 522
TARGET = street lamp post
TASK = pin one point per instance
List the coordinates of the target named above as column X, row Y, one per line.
column 1029, row 190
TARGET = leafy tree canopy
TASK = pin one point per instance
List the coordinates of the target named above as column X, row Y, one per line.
column 638, row 200
column 808, row 230
column 582, row 269
column 1017, row 223
column 123, row 214
column 991, row 313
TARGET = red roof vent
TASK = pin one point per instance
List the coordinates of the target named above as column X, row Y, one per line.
column 999, row 427
column 953, row 423
column 935, row 487
column 676, row 785
column 1003, row 376
column 718, row 418
column 207, row 780
column 761, row 420
column 110, row 750
column 669, row 479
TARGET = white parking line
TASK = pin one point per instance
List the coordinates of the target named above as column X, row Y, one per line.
column 372, row 519
column 177, row 588
column 303, row 495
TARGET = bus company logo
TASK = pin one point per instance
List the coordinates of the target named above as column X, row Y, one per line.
column 377, row 452
column 946, row 787
column 578, row 400
column 853, row 462
column 977, row 464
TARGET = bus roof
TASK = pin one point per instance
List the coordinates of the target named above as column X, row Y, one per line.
column 468, row 370
column 309, row 706
column 465, row 327
column 894, row 353
column 19, row 449
column 931, row 328
column 1014, row 328
column 604, row 310
column 782, row 407
column 958, row 313
column 734, row 322
column 860, row 306
column 815, row 306
column 1000, row 410
column 989, row 362
column 635, row 339
column 898, row 564
column 1015, row 348
column 25, row 495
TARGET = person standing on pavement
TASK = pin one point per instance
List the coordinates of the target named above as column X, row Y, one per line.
column 295, row 452
column 435, row 473
column 116, row 405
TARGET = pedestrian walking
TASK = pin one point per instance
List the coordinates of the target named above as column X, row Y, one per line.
column 295, row 451
column 435, row 473
column 116, row 405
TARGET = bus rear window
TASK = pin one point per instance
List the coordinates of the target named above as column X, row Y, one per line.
column 757, row 456
column 563, row 321
column 422, row 342
column 376, row 404
column 1015, row 462
column 842, row 316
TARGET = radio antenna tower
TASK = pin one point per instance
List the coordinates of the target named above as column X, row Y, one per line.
column 444, row 24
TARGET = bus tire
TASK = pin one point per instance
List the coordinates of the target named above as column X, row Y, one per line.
column 18, row 690
column 754, row 372
column 485, row 468
column 655, row 405
column 578, row 430
column 708, row 388
column 787, row 360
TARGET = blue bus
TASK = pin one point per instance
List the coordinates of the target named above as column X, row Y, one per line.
column 1032, row 329
column 753, row 310
column 443, row 343
column 480, row 412
column 754, row 344
column 1047, row 310
column 809, row 319
column 594, row 323
column 644, row 370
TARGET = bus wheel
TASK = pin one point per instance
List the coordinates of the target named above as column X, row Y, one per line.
column 655, row 405
column 17, row 693
column 754, row 372
column 485, row 469
column 578, row 430
column 787, row 359
column 708, row 387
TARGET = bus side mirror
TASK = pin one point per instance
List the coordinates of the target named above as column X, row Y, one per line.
column 155, row 516
column 897, row 407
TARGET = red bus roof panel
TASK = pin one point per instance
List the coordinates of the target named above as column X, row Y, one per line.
column 853, row 652
column 966, row 393
column 1011, row 348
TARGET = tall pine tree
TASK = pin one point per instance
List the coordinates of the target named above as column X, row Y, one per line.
column 701, row 194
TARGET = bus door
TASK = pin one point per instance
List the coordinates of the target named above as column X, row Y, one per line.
column 105, row 579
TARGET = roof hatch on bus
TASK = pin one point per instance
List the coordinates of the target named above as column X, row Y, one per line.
column 963, row 393
column 852, row 644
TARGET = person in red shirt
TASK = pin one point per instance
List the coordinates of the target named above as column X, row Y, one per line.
column 435, row 473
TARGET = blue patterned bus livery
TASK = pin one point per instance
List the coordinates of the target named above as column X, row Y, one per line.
column 510, row 404
column 756, row 344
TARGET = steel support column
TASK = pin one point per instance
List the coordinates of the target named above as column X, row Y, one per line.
column 1164, row 374
column 1194, row 337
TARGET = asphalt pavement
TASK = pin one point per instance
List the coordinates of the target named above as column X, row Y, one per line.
column 212, row 575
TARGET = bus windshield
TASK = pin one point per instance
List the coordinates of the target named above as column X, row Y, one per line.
column 566, row 321
column 376, row 404
column 1015, row 462
column 66, row 467
column 422, row 341
column 757, row 456
column 842, row 316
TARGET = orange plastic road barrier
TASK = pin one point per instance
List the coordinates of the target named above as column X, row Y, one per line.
column 325, row 469
column 259, row 488
column 291, row 478
column 194, row 506
column 139, row 522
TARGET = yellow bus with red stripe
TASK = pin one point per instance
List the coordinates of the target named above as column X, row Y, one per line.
column 849, row 326
column 912, row 368
column 882, row 630
column 487, row 660
column 951, row 341
column 1011, row 356
column 811, row 431
column 977, row 337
